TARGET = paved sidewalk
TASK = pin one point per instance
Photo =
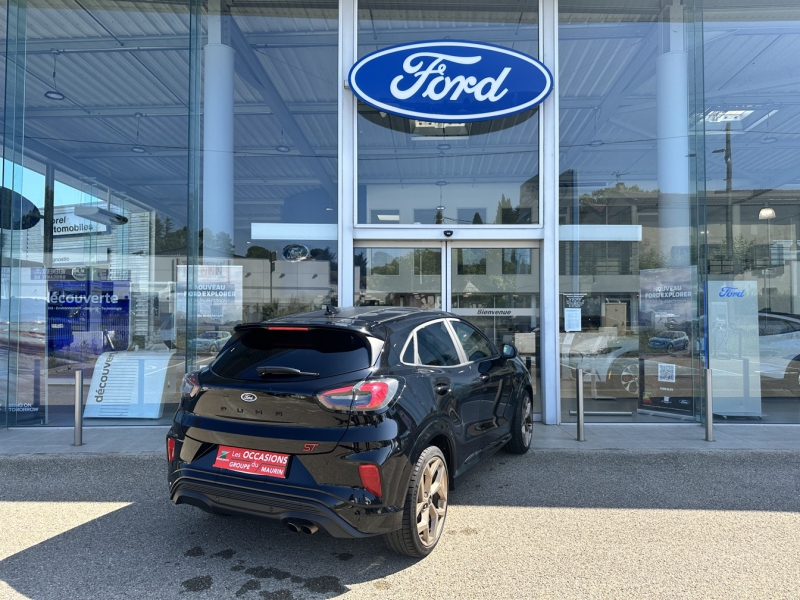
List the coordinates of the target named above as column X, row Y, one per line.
column 148, row 440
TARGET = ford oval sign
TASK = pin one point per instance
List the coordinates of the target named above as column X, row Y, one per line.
column 450, row 81
column 248, row 397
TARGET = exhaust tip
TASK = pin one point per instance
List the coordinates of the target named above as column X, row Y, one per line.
column 291, row 526
column 309, row 529
column 301, row 526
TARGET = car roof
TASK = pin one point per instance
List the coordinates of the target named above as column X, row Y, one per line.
column 357, row 317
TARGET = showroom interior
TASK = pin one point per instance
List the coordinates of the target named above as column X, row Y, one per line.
column 174, row 168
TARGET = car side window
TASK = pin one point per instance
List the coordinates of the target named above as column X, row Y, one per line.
column 408, row 355
column 476, row 347
column 435, row 346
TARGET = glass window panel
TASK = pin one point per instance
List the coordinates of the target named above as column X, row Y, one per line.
column 752, row 210
column 629, row 179
column 470, row 262
column 476, row 347
column 398, row 277
column 435, row 346
column 456, row 173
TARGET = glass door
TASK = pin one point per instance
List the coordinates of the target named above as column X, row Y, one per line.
column 494, row 285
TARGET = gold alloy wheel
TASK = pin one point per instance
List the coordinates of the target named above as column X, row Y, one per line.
column 432, row 501
column 527, row 421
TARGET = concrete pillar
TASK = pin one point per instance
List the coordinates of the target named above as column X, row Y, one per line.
column 672, row 125
column 217, row 129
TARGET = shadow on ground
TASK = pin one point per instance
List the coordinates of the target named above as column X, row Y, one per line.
column 152, row 549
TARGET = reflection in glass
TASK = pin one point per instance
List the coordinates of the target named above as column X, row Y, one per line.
column 398, row 277
column 629, row 182
column 448, row 173
column 497, row 290
column 752, row 210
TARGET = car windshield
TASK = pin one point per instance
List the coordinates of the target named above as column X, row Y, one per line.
column 209, row 335
column 324, row 351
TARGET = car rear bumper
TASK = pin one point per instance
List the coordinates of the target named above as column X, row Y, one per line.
column 226, row 494
column 227, row 500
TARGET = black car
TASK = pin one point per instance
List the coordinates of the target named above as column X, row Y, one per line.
column 359, row 421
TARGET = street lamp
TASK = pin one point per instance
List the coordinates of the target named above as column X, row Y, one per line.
column 767, row 214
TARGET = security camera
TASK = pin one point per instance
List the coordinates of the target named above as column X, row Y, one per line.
column 448, row 233
column 100, row 215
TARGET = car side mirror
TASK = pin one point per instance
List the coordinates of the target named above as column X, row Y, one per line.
column 508, row 351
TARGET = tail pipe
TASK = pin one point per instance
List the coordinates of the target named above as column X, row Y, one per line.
column 301, row 526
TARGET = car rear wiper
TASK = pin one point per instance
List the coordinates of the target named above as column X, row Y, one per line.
column 283, row 372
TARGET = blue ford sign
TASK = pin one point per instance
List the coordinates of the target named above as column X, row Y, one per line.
column 450, row 81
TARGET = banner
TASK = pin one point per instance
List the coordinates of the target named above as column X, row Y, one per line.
column 87, row 310
column 733, row 347
column 128, row 385
column 667, row 308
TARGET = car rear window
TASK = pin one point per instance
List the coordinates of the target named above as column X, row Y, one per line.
column 324, row 351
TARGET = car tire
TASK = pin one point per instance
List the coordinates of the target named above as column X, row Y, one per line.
column 213, row 349
column 521, row 427
column 425, row 507
column 670, row 347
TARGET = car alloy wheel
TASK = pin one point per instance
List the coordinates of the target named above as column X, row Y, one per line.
column 432, row 501
column 213, row 349
column 670, row 348
column 425, row 509
column 629, row 378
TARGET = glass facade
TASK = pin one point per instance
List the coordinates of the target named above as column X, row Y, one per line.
column 628, row 204
column 172, row 169
column 415, row 172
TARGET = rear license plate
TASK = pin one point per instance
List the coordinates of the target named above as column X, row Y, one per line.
column 257, row 462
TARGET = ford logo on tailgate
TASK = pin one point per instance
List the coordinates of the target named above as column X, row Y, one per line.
column 450, row 81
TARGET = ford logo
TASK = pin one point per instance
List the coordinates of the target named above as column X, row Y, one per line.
column 295, row 252
column 450, row 81
column 249, row 397
column 731, row 292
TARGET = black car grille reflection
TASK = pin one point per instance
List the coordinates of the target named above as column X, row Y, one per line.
column 274, row 504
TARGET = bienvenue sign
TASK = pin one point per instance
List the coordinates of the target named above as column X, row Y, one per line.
column 450, row 81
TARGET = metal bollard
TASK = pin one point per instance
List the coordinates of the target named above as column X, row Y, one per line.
column 579, row 382
column 709, row 408
column 78, row 409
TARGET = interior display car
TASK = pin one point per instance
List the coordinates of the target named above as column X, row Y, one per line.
column 211, row 341
column 609, row 362
column 360, row 421
column 779, row 347
column 670, row 341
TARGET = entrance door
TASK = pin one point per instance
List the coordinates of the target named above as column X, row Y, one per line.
column 493, row 285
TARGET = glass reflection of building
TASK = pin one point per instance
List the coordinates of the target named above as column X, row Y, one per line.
column 173, row 169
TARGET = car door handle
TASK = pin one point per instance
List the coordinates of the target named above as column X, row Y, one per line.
column 442, row 388
column 485, row 378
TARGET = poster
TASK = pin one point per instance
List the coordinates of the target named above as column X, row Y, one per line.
column 87, row 311
column 218, row 292
column 128, row 385
column 733, row 347
column 572, row 319
column 667, row 314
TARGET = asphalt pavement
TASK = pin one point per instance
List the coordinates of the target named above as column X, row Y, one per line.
column 555, row 523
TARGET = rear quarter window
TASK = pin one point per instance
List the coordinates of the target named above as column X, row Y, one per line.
column 324, row 351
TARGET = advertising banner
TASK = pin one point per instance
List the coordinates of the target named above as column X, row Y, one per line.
column 733, row 347
column 666, row 315
column 87, row 309
column 128, row 385
column 218, row 292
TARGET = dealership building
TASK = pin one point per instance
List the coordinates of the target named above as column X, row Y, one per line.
column 610, row 186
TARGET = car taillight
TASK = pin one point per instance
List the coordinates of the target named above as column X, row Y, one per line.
column 367, row 395
column 371, row 479
column 190, row 385
column 170, row 449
